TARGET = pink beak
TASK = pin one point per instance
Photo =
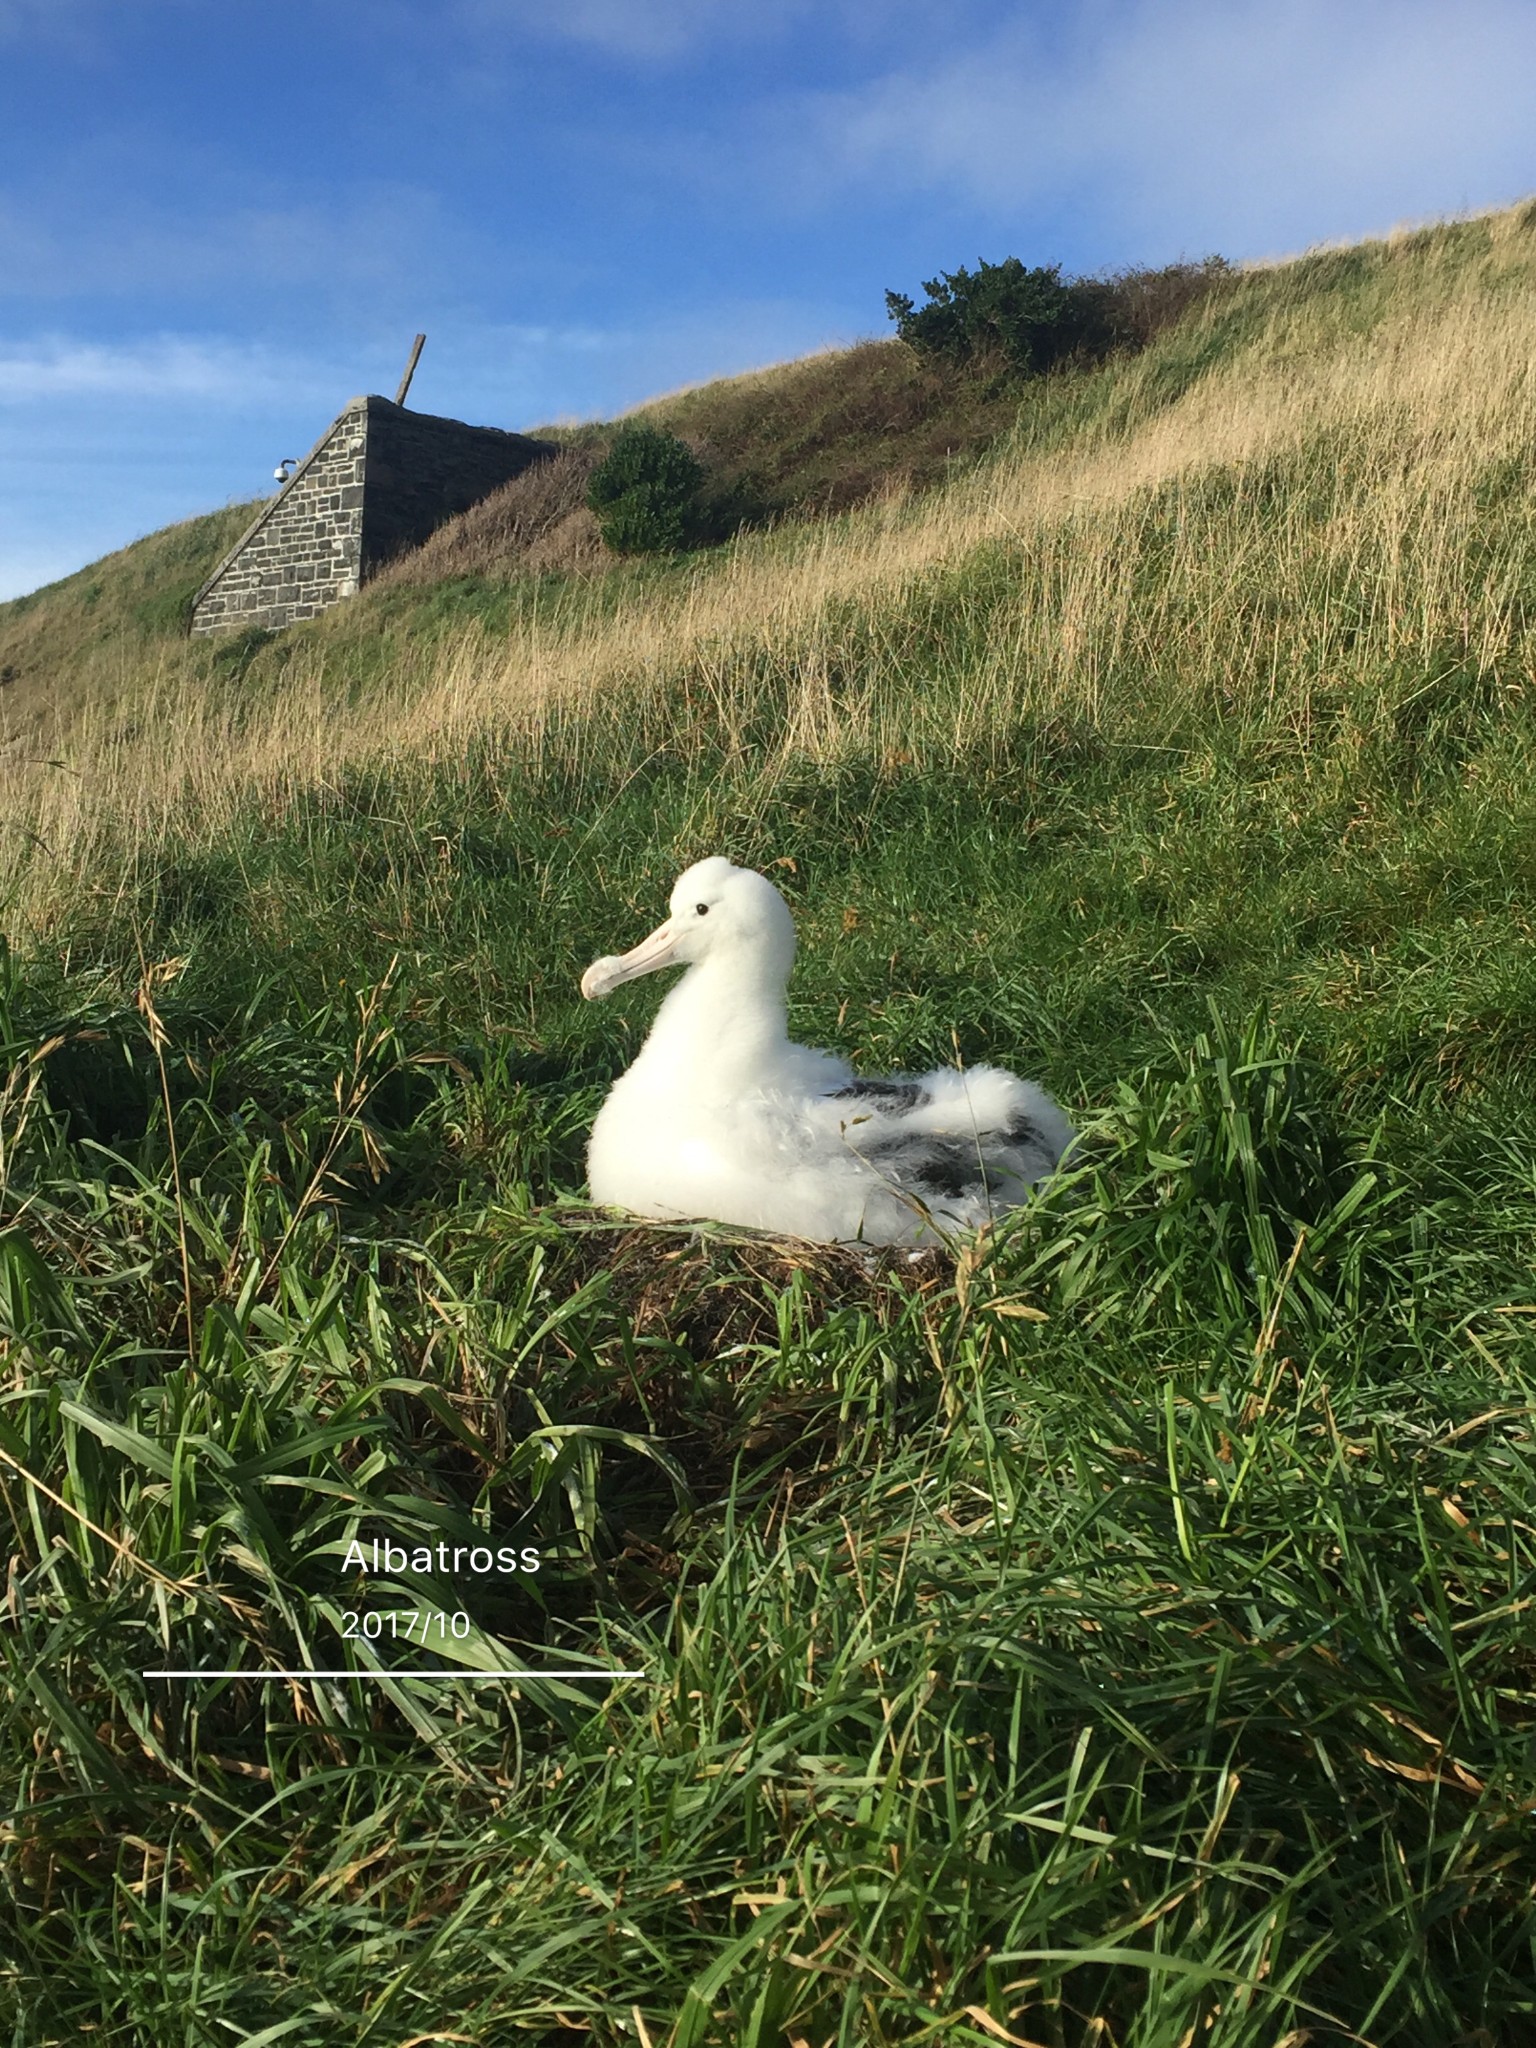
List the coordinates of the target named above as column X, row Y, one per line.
column 604, row 975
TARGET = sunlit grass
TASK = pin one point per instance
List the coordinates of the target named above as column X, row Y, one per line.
column 1129, row 1626
column 1120, row 1633
column 1301, row 513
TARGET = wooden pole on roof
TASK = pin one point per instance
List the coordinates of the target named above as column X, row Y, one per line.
column 410, row 370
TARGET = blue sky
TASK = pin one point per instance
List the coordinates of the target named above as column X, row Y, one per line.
column 220, row 219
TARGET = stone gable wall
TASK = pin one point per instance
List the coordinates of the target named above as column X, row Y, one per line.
column 305, row 550
column 378, row 482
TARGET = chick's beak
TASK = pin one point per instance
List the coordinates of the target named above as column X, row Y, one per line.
column 604, row 975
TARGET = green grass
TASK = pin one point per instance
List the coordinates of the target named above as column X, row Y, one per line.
column 828, row 432
column 801, row 439
column 1120, row 1632
column 77, row 642
column 1123, row 1665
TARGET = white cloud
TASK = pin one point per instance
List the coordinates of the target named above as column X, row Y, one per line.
column 659, row 30
column 375, row 241
column 168, row 368
column 1202, row 123
column 492, row 372
column 622, row 28
column 34, row 20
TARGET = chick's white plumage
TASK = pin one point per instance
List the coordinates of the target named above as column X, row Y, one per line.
column 721, row 1116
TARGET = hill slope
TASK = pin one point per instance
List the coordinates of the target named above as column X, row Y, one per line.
column 1117, row 1628
column 89, row 643
column 1278, row 498
column 800, row 438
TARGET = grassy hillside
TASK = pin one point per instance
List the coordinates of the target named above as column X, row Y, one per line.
column 1119, row 1630
column 794, row 441
column 798, row 439
column 91, row 644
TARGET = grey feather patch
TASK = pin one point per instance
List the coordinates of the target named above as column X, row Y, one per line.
column 929, row 1164
column 891, row 1095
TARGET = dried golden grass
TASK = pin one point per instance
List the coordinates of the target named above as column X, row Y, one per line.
column 539, row 521
column 1374, row 430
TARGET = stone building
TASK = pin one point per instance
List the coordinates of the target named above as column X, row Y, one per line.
column 378, row 481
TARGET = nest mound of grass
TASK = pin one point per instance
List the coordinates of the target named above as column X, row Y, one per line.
column 714, row 1290
column 715, row 1368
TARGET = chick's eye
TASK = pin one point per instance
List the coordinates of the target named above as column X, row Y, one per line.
column 702, row 909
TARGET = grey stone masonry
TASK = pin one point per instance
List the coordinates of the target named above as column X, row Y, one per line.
column 378, row 481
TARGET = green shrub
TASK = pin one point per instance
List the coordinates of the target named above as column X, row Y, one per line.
column 1029, row 319
column 645, row 492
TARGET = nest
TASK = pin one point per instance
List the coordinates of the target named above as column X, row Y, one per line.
column 714, row 1290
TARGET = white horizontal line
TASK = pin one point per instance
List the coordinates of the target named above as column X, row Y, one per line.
column 382, row 1671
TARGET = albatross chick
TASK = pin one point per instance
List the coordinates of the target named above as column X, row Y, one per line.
column 722, row 1116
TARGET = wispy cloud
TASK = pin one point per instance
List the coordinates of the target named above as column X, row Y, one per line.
column 167, row 368
column 502, row 369
column 660, row 28
column 373, row 242
column 1200, row 122
column 652, row 30
column 50, row 20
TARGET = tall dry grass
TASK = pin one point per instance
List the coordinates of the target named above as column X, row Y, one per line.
column 1321, row 513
